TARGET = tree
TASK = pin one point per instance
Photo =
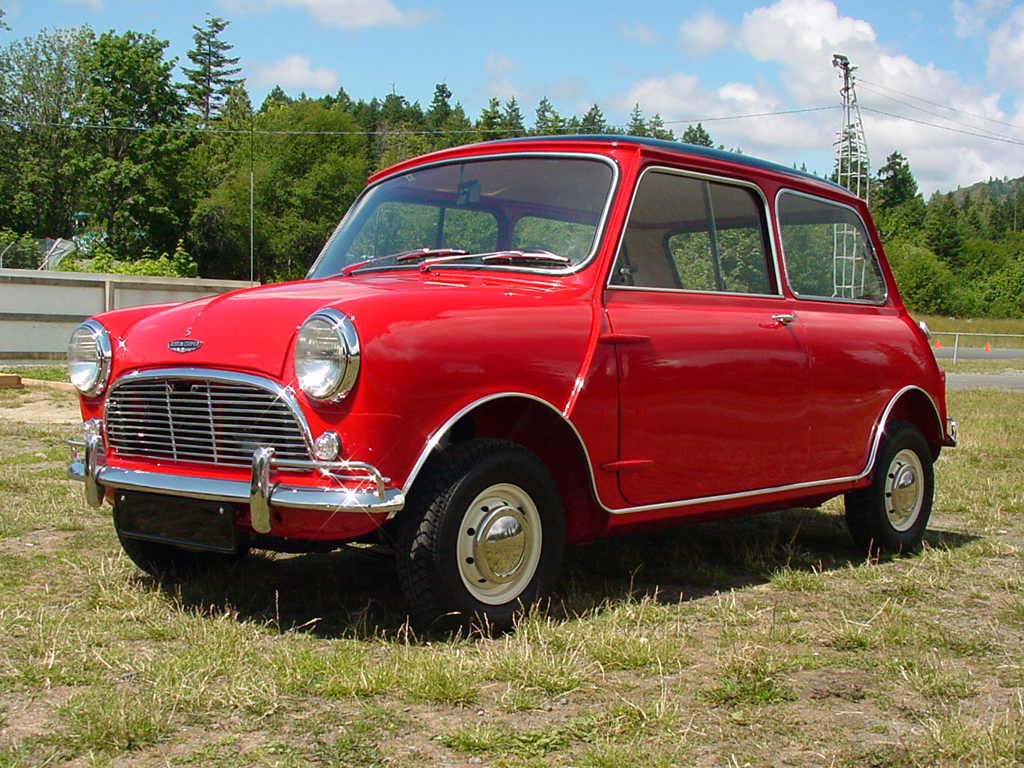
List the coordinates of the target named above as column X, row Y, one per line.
column 548, row 120
column 656, row 129
column 896, row 184
column 489, row 122
column 440, row 108
column 214, row 74
column 134, row 157
column 512, row 119
column 637, row 125
column 943, row 233
column 3, row 24
column 696, row 134
column 42, row 101
column 302, row 186
column 593, row 121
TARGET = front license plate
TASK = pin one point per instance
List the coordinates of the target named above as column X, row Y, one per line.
column 185, row 522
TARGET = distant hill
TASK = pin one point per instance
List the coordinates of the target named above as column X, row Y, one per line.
column 998, row 189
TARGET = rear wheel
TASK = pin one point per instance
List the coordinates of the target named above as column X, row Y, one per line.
column 891, row 514
column 482, row 537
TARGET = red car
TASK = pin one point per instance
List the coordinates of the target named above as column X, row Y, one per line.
column 514, row 346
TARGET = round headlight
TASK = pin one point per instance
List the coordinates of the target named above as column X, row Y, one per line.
column 89, row 358
column 327, row 355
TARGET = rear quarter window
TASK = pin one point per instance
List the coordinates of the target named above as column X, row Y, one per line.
column 827, row 251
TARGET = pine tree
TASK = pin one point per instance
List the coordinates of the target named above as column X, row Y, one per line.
column 214, row 74
column 548, row 120
column 637, row 125
column 489, row 122
column 656, row 129
column 593, row 121
column 512, row 119
column 696, row 134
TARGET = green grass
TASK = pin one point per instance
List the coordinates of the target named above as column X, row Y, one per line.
column 766, row 640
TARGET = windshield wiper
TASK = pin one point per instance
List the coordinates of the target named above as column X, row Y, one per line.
column 529, row 254
column 416, row 254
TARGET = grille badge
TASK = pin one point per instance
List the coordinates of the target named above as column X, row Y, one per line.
column 182, row 346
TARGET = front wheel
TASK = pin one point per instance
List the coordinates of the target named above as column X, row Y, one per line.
column 482, row 538
column 890, row 515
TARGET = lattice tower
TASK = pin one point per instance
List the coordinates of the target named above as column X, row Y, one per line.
column 853, row 172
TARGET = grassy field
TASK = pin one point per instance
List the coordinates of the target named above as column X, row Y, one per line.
column 764, row 642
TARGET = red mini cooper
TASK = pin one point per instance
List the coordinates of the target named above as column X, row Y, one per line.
column 514, row 346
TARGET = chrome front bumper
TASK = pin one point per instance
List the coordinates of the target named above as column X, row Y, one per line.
column 370, row 495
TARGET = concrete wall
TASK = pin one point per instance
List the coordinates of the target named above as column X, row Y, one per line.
column 38, row 310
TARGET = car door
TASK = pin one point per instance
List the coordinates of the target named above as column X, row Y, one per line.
column 856, row 348
column 713, row 373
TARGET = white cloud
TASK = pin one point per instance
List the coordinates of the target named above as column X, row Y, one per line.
column 498, row 64
column 972, row 17
column 704, row 34
column 346, row 14
column 92, row 5
column 794, row 41
column 1006, row 52
column 641, row 33
column 296, row 72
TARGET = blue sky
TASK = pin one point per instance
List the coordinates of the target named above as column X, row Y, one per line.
column 942, row 81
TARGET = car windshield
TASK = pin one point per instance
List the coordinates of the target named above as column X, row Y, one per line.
column 526, row 212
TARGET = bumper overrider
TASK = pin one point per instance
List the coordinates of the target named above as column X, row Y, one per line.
column 359, row 488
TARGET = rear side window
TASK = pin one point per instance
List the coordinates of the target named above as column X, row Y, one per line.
column 693, row 234
column 827, row 252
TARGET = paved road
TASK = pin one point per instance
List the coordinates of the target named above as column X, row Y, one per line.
column 977, row 353
column 1009, row 380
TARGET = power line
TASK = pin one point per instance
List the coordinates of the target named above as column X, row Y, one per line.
column 940, row 106
column 990, row 137
column 246, row 131
column 991, row 134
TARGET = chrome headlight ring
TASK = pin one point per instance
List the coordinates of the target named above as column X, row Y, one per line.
column 327, row 355
column 89, row 358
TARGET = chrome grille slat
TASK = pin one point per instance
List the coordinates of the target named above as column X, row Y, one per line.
column 199, row 419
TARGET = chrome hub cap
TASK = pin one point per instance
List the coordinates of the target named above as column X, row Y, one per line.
column 904, row 490
column 499, row 544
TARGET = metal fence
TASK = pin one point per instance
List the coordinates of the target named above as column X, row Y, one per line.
column 950, row 344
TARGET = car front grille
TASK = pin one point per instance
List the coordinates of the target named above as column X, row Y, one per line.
column 204, row 420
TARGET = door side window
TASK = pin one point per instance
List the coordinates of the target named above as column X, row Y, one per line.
column 827, row 252
column 694, row 235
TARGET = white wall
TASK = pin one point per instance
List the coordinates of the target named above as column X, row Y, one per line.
column 39, row 310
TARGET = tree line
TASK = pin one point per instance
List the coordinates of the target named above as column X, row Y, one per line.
column 960, row 253
column 99, row 143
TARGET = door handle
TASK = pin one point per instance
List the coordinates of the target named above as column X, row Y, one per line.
column 780, row 321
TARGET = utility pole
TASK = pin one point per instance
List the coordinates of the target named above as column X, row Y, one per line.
column 853, row 169
column 852, row 159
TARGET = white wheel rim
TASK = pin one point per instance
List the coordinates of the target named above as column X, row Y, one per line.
column 499, row 544
column 904, row 490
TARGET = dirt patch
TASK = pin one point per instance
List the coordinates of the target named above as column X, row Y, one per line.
column 40, row 405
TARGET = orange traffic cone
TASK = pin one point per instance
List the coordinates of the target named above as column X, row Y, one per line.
column 938, row 343
column 988, row 347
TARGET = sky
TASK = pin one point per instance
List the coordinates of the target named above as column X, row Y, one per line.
column 940, row 81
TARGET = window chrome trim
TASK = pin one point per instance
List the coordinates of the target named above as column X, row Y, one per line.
column 599, row 229
column 285, row 394
column 770, row 251
column 831, row 299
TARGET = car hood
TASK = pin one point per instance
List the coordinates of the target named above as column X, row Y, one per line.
column 253, row 329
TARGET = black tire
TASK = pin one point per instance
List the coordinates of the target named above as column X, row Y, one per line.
column 482, row 537
column 166, row 562
column 891, row 514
